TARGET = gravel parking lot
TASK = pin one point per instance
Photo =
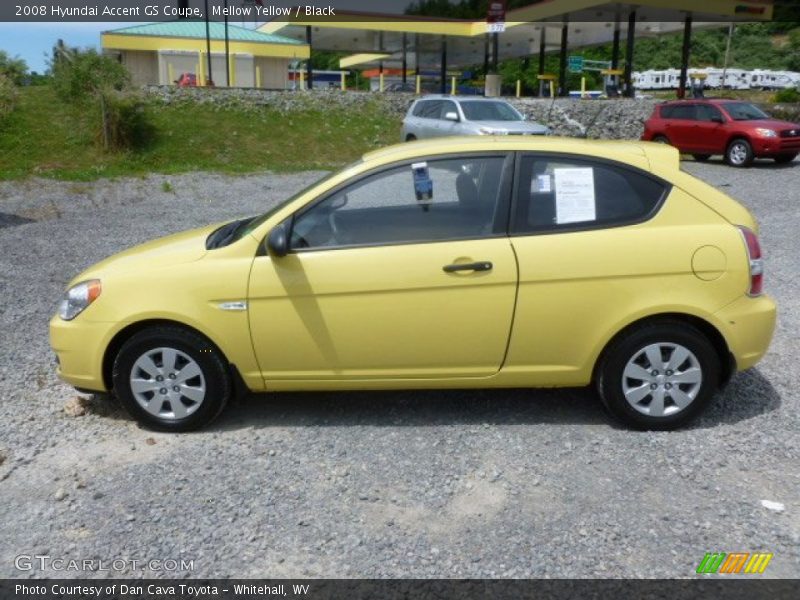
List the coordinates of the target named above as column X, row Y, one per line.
column 403, row 484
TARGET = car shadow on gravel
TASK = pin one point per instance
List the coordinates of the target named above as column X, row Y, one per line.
column 12, row 220
column 759, row 164
column 747, row 396
column 413, row 408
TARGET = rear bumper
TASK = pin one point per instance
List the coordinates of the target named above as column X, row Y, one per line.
column 748, row 325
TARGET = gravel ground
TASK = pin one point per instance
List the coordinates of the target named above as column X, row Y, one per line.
column 402, row 484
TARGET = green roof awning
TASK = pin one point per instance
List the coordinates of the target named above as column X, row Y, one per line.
column 197, row 29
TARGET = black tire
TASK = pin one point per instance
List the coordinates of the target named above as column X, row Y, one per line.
column 213, row 369
column 610, row 374
column 739, row 153
column 701, row 157
column 411, row 137
column 782, row 159
column 661, row 139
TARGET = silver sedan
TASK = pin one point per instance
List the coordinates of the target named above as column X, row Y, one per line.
column 439, row 116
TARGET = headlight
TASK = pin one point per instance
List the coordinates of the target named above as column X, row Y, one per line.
column 766, row 132
column 78, row 297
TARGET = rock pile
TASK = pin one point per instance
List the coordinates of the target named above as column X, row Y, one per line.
column 608, row 119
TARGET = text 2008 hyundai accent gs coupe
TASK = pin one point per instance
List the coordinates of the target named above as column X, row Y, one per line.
column 462, row 262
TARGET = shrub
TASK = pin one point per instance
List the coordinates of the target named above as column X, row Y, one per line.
column 8, row 95
column 787, row 95
column 124, row 121
column 79, row 75
column 14, row 68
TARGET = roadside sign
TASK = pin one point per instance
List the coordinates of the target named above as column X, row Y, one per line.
column 496, row 16
column 575, row 64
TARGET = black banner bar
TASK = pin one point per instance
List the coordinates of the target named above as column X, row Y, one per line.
column 61, row 11
column 734, row 587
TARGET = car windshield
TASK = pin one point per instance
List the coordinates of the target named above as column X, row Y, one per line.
column 743, row 111
column 236, row 230
column 489, row 111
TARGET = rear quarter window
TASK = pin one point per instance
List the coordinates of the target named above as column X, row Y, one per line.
column 564, row 193
column 428, row 109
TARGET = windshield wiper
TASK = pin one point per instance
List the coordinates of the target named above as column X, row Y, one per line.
column 227, row 233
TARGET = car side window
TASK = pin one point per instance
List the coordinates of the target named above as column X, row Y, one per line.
column 428, row 109
column 666, row 112
column 706, row 112
column 685, row 112
column 423, row 201
column 563, row 193
column 447, row 107
column 419, row 108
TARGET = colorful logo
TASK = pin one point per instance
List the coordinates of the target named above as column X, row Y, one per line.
column 734, row 562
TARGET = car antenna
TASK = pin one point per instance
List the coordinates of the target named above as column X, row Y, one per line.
column 585, row 133
column 550, row 110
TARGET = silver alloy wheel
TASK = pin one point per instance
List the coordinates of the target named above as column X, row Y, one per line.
column 662, row 379
column 737, row 153
column 167, row 383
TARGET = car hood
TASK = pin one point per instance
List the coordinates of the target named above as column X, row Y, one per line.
column 512, row 126
column 178, row 248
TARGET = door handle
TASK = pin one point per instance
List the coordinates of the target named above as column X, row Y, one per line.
column 476, row 266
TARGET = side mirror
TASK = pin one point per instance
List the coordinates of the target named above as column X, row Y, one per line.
column 717, row 119
column 451, row 116
column 278, row 241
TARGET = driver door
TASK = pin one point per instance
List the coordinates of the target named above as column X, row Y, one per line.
column 404, row 273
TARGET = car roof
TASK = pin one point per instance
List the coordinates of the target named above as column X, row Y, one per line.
column 460, row 98
column 646, row 155
column 703, row 101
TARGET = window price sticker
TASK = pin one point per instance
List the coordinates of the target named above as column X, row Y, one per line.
column 575, row 200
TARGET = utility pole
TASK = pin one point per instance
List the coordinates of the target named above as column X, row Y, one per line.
column 727, row 55
column 209, row 76
column 227, row 49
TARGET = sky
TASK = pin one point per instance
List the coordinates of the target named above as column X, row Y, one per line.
column 34, row 41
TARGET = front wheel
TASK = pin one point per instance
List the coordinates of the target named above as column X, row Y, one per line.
column 659, row 376
column 171, row 379
column 782, row 159
column 739, row 153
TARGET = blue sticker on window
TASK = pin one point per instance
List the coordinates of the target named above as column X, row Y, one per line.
column 423, row 186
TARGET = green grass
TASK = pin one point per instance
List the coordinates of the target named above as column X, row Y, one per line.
column 45, row 137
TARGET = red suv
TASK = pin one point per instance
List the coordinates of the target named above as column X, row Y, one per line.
column 739, row 131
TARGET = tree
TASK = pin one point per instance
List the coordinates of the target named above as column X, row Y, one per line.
column 14, row 68
column 82, row 74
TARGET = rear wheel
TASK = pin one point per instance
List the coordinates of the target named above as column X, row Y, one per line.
column 661, row 139
column 701, row 157
column 739, row 153
column 785, row 158
column 659, row 376
column 410, row 137
column 171, row 379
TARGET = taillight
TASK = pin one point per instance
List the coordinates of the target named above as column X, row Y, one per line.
column 755, row 260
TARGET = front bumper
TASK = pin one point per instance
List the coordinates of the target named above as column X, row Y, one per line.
column 79, row 346
column 775, row 146
column 748, row 325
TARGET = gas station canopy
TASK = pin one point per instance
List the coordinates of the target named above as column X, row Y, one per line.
column 386, row 38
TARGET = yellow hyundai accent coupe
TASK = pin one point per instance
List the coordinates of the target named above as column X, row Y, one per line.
column 455, row 263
